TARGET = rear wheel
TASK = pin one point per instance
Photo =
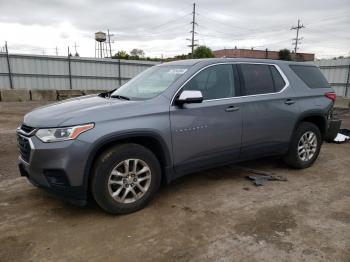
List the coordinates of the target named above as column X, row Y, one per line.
column 125, row 178
column 305, row 146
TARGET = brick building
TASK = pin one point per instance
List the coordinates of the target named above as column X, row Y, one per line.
column 262, row 54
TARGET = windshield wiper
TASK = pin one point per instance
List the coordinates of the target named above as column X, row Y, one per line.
column 120, row 97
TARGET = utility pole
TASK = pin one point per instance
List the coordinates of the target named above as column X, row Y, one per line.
column 8, row 65
column 56, row 51
column 109, row 43
column 193, row 32
column 69, row 70
column 76, row 48
column 297, row 39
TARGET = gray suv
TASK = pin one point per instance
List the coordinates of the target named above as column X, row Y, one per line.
column 173, row 119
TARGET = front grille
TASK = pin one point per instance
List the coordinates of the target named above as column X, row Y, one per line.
column 24, row 147
column 26, row 128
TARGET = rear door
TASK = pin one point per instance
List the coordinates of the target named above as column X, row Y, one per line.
column 269, row 110
column 207, row 133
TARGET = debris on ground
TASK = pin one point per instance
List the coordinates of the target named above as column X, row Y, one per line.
column 259, row 180
column 253, row 171
column 260, row 176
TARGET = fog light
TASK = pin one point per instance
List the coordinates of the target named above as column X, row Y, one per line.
column 56, row 177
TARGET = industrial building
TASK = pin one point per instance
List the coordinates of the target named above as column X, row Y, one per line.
column 259, row 54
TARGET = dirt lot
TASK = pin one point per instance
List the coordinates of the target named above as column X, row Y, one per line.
column 215, row 215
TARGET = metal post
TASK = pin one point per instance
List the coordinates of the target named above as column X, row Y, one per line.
column 347, row 82
column 119, row 73
column 69, row 70
column 8, row 65
column 193, row 24
column 109, row 43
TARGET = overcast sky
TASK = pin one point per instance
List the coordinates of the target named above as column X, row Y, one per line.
column 161, row 27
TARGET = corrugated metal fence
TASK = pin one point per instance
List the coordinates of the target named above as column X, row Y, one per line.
column 36, row 72
column 337, row 72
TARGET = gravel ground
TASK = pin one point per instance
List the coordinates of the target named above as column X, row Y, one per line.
column 216, row 215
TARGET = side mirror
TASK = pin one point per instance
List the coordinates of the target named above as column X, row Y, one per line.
column 189, row 96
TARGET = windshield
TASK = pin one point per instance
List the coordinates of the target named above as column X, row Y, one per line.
column 150, row 82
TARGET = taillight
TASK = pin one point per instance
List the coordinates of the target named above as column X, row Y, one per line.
column 331, row 95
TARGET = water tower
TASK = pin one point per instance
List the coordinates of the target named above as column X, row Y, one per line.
column 100, row 45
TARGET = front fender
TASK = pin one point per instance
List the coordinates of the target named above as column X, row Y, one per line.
column 116, row 137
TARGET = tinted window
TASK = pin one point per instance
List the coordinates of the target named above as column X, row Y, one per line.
column 311, row 76
column 257, row 79
column 277, row 79
column 214, row 82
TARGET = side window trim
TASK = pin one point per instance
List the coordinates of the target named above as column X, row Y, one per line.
column 240, row 80
column 237, row 81
column 273, row 79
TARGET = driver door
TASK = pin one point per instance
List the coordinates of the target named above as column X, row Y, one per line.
column 207, row 133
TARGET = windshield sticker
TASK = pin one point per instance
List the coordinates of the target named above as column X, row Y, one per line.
column 177, row 71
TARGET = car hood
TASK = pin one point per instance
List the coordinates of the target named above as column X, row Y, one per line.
column 75, row 111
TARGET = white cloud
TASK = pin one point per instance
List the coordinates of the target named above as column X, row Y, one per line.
column 161, row 27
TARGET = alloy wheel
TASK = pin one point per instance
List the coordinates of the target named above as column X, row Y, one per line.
column 307, row 146
column 129, row 180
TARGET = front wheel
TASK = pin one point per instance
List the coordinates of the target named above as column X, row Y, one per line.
column 305, row 146
column 125, row 178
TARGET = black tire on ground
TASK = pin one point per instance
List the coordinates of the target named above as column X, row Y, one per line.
column 103, row 167
column 292, row 158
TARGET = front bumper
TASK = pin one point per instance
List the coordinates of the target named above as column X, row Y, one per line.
column 57, row 167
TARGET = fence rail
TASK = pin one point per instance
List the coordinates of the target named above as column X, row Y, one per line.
column 36, row 72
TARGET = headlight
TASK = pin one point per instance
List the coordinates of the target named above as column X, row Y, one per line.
column 62, row 133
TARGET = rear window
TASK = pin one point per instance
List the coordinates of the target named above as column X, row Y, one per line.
column 310, row 75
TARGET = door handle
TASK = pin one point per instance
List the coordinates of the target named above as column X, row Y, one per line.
column 231, row 109
column 289, row 101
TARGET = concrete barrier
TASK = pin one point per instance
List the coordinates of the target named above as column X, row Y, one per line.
column 342, row 102
column 65, row 94
column 15, row 95
column 44, row 95
column 92, row 92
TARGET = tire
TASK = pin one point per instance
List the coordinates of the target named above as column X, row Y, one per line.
column 306, row 157
column 120, row 169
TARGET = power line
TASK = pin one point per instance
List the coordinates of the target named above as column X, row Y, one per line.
column 335, row 16
column 222, row 23
column 297, row 39
column 168, row 29
column 152, row 27
column 171, row 21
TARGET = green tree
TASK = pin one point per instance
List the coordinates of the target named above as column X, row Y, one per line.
column 284, row 54
column 121, row 55
column 202, row 52
column 137, row 53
